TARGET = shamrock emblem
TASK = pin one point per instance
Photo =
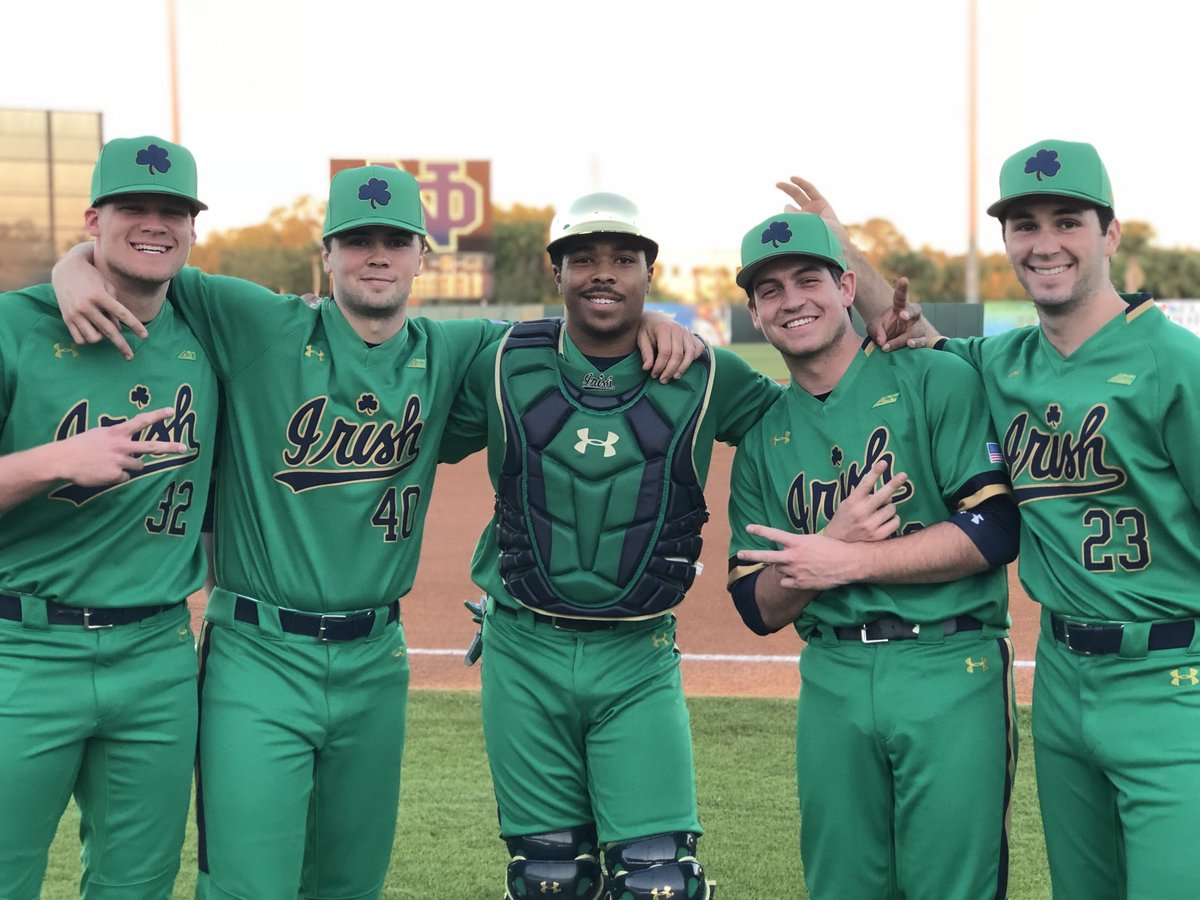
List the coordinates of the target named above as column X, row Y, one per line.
column 778, row 233
column 1053, row 415
column 368, row 404
column 140, row 396
column 154, row 157
column 376, row 191
column 835, row 456
column 1044, row 163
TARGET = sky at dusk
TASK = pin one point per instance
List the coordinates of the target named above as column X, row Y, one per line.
column 694, row 110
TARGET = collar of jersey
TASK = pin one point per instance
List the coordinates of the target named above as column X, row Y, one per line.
column 350, row 345
column 162, row 321
column 822, row 408
column 573, row 366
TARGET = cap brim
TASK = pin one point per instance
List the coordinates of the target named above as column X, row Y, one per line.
column 363, row 221
column 997, row 208
column 197, row 206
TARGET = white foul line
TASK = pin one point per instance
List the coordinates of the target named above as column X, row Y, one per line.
column 699, row 657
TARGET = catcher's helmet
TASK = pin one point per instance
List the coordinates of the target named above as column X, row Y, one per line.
column 601, row 213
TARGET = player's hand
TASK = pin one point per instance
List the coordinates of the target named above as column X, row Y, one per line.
column 807, row 199
column 806, row 562
column 668, row 349
column 902, row 325
column 113, row 453
column 88, row 302
column 866, row 514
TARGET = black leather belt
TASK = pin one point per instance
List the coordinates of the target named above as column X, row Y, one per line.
column 562, row 623
column 325, row 627
column 1095, row 638
column 889, row 628
column 84, row 616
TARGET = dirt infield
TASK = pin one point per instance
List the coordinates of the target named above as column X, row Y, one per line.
column 439, row 629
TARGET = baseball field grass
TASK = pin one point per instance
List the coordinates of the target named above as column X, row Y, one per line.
column 446, row 845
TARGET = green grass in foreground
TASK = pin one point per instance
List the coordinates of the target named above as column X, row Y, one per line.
column 446, row 842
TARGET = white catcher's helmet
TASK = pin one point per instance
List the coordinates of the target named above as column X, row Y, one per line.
column 601, row 213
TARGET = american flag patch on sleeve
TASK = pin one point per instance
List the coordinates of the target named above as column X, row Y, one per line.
column 994, row 454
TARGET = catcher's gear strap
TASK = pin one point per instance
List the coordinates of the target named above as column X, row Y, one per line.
column 563, row 863
column 663, row 865
column 629, row 570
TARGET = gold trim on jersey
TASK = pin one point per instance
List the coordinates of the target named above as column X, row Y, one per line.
column 984, row 493
column 739, row 572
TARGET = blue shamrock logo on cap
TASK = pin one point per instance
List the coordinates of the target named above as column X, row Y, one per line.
column 154, row 158
column 778, row 233
column 375, row 190
column 1044, row 163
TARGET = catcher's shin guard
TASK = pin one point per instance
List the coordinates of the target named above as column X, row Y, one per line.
column 563, row 863
column 651, row 868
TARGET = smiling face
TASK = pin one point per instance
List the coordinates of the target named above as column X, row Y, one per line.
column 373, row 268
column 142, row 239
column 603, row 280
column 801, row 307
column 1058, row 252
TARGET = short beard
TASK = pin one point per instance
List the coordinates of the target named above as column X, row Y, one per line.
column 355, row 302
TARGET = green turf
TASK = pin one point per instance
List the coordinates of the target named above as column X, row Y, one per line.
column 763, row 357
column 446, row 845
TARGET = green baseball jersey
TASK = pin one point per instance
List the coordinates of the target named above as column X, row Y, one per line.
column 739, row 396
column 922, row 414
column 329, row 446
column 1101, row 448
column 130, row 544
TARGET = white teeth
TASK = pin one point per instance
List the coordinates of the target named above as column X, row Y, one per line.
column 149, row 248
column 602, row 301
column 796, row 323
column 1057, row 270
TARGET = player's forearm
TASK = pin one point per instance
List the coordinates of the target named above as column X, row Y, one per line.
column 26, row 473
column 939, row 553
column 873, row 295
column 777, row 605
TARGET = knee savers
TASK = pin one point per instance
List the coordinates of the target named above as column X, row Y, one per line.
column 661, row 866
column 563, row 864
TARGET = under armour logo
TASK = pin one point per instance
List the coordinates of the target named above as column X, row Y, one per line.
column 59, row 350
column 319, row 354
column 661, row 640
column 550, row 887
column 586, row 440
column 976, row 518
column 1190, row 677
column 972, row 665
column 665, row 893
column 785, row 438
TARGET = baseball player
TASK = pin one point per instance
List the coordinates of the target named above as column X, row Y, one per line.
column 599, row 475
column 334, row 415
column 1099, row 411
column 906, row 706
column 104, row 472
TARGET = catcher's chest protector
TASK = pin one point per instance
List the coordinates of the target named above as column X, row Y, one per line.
column 599, row 505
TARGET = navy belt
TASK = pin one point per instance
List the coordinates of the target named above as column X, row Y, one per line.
column 563, row 623
column 1090, row 638
column 324, row 626
column 889, row 628
column 84, row 616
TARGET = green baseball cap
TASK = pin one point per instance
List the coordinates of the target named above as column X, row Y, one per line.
column 145, row 165
column 374, row 195
column 787, row 234
column 1058, row 168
